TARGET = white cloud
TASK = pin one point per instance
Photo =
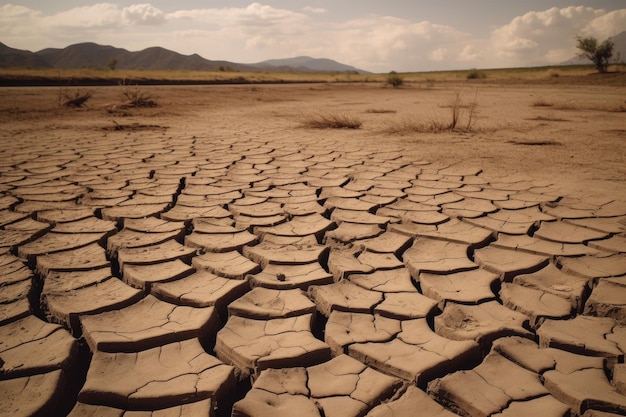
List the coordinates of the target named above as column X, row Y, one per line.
column 607, row 25
column 143, row 14
column 96, row 17
column 316, row 10
column 469, row 54
column 541, row 37
column 382, row 43
column 259, row 31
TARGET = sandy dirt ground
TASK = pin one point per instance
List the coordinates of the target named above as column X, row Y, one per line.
column 213, row 254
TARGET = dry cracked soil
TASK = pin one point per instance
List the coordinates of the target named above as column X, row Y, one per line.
column 212, row 256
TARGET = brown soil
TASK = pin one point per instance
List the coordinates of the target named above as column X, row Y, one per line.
column 577, row 139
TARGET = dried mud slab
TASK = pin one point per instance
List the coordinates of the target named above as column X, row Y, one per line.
column 253, row 345
column 340, row 387
column 410, row 401
column 228, row 265
column 554, row 281
column 35, row 358
column 85, row 258
column 592, row 336
column 286, row 277
column 268, row 253
column 536, row 246
column 608, row 299
column 482, row 323
column 469, row 287
column 66, row 307
column 595, row 266
column 128, row 238
column 220, row 242
column 30, row 346
column 154, row 254
column 201, row 289
column 387, row 242
column 299, row 226
column 386, row 281
column 536, row 304
column 417, row 353
column 146, row 324
column 32, row 395
column 343, row 329
column 578, row 381
column 454, row 231
column 263, row 303
column 145, row 277
column 350, row 232
column 438, row 257
column 161, row 377
column 492, row 387
column 411, row 305
column 199, row 408
column 507, row 263
column 342, row 263
column 343, row 296
column 53, row 242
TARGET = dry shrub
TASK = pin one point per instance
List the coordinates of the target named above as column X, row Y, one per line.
column 75, row 98
column 462, row 118
column 474, row 74
column 135, row 97
column 330, row 121
column 553, row 73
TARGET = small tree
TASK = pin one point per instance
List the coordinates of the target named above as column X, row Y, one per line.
column 394, row 79
column 598, row 54
column 112, row 64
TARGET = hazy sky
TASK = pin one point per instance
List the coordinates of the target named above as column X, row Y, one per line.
column 375, row 35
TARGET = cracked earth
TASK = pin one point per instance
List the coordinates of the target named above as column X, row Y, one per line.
column 229, row 262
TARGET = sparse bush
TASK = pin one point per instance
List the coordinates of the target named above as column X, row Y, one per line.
column 75, row 98
column 112, row 64
column 474, row 74
column 600, row 54
column 553, row 73
column 394, row 79
column 462, row 118
column 330, row 121
column 135, row 97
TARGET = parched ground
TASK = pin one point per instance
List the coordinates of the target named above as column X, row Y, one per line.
column 214, row 256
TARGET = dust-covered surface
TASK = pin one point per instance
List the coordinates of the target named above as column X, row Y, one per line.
column 287, row 270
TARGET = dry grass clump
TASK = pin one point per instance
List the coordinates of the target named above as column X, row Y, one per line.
column 462, row 114
column 380, row 111
column 135, row 97
column 330, row 121
column 541, row 102
column 548, row 119
column 75, row 98
column 610, row 108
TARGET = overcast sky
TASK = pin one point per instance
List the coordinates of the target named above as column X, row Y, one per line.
column 374, row 35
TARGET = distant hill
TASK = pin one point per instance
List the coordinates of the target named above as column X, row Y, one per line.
column 307, row 64
column 93, row 55
column 620, row 48
column 10, row 57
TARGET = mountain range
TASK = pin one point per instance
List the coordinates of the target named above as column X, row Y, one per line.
column 92, row 55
